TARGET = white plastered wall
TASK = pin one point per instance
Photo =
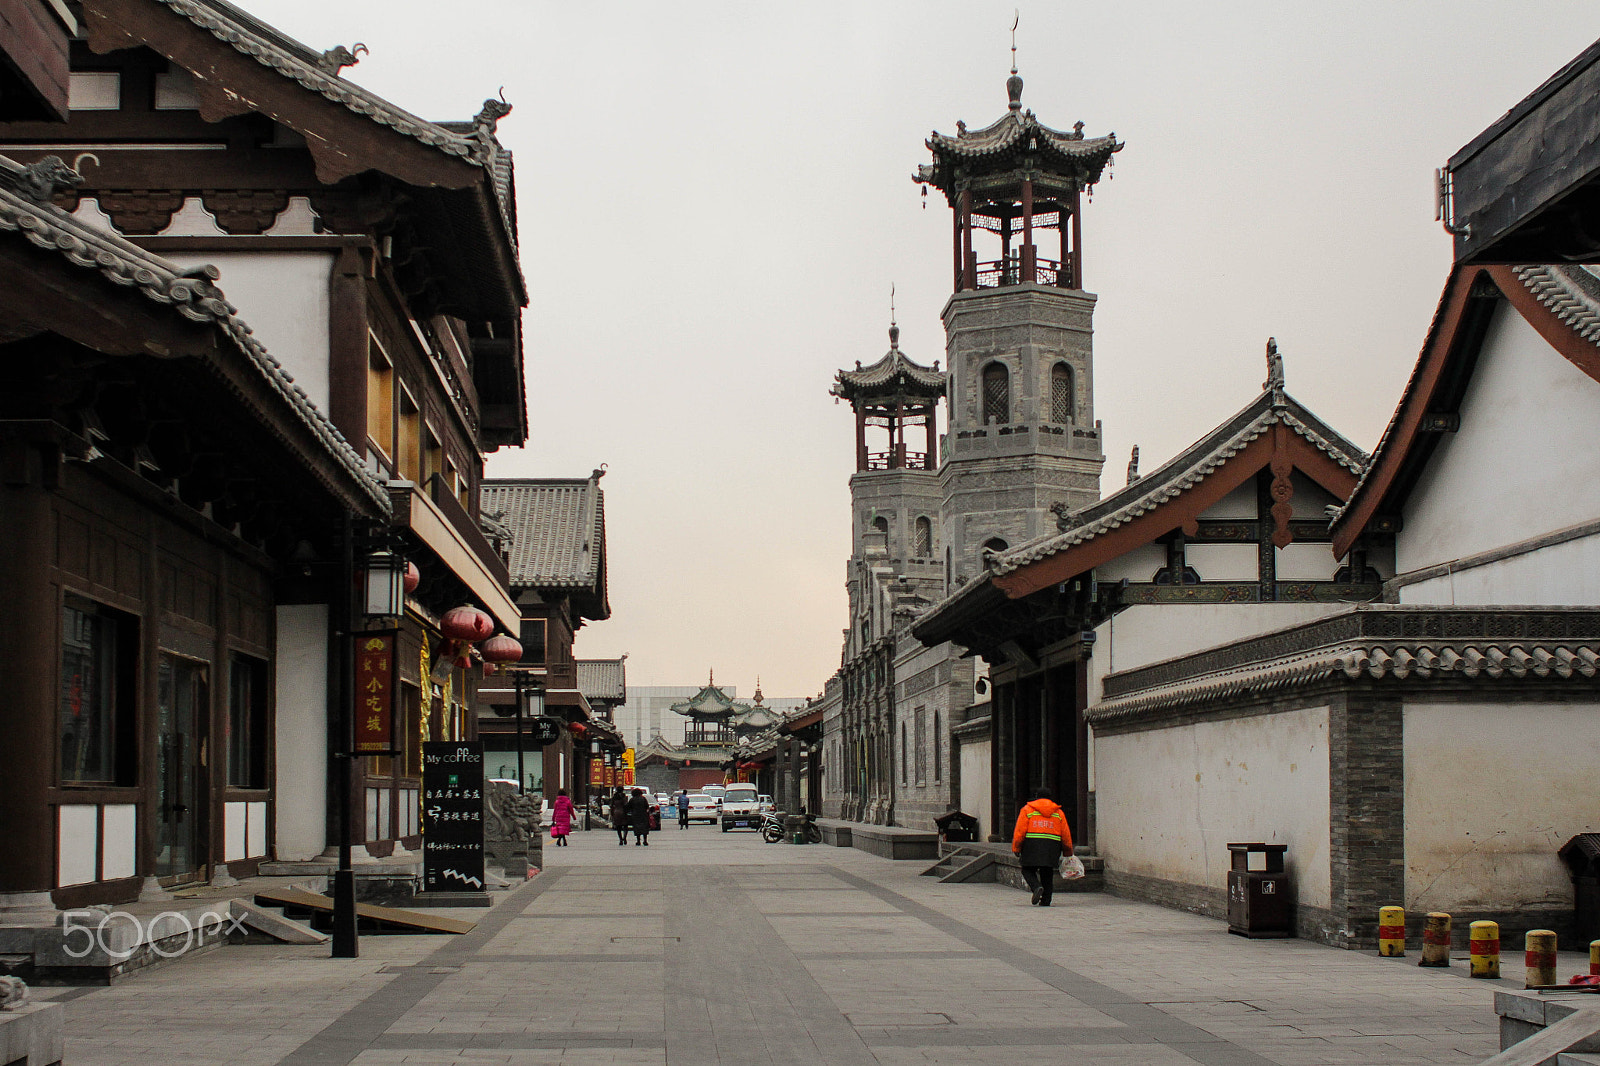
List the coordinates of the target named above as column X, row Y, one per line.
column 301, row 737
column 1169, row 801
column 1523, row 461
column 1150, row 632
column 1476, row 840
column 974, row 797
column 284, row 298
column 1562, row 574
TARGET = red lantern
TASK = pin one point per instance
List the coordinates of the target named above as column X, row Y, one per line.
column 413, row 577
column 466, row 624
column 578, row 729
column 501, row 649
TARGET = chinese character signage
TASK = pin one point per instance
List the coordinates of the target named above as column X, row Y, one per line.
column 597, row 773
column 452, row 816
column 374, row 692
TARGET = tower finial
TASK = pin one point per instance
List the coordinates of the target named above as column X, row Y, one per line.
column 1274, row 367
column 894, row 330
column 711, row 678
column 1014, row 83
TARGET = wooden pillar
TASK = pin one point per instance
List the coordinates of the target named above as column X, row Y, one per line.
column 347, row 347
column 930, row 421
column 958, row 261
column 969, row 263
column 861, row 438
column 1077, row 243
column 897, row 436
column 30, row 640
column 1083, row 831
column 1029, row 273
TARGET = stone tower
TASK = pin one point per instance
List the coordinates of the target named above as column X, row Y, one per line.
column 895, row 498
column 1019, row 332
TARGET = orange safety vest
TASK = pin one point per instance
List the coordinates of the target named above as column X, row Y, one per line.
column 1041, row 818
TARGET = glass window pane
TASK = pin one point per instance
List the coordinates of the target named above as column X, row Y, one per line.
column 247, row 723
column 89, row 690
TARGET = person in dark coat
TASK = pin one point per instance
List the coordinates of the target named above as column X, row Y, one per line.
column 619, row 814
column 639, row 818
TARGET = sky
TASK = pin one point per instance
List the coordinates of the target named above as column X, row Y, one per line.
column 715, row 199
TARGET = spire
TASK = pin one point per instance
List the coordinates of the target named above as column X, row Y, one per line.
column 1014, row 83
column 758, row 688
column 711, row 678
column 894, row 333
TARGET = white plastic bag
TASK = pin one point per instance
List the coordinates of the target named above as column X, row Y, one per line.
column 1071, row 867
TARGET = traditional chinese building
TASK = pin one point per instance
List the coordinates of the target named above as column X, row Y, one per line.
column 1021, row 444
column 374, row 255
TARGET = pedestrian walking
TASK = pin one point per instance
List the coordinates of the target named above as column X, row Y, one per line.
column 1040, row 840
column 619, row 814
column 638, row 810
column 561, row 818
column 683, row 808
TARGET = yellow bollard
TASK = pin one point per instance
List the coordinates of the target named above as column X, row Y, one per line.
column 1485, row 949
column 1436, row 940
column 1391, row 931
column 1594, row 958
column 1541, row 959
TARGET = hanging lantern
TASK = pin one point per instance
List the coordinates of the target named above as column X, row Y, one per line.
column 501, row 649
column 413, row 577
column 466, row 624
column 382, row 581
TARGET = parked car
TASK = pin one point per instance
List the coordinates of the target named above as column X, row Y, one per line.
column 714, row 791
column 741, row 808
column 764, row 802
column 702, row 808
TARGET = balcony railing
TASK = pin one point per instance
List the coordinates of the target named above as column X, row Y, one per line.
column 708, row 736
column 1000, row 272
column 908, row 461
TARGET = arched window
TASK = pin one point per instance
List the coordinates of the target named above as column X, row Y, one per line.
column 880, row 525
column 996, row 394
column 923, row 547
column 996, row 545
column 1061, row 393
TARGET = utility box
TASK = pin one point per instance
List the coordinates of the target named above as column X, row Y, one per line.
column 1582, row 856
column 1260, row 900
column 957, row 827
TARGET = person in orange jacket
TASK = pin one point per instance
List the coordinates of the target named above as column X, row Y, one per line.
column 1040, row 840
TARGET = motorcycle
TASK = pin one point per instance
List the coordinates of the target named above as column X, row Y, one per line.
column 772, row 828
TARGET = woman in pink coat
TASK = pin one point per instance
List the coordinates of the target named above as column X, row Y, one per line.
column 561, row 818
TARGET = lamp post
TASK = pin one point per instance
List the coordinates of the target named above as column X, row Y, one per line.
column 530, row 700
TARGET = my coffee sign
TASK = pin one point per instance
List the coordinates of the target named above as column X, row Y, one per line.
column 544, row 730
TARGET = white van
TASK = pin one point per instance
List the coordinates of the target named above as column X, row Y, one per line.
column 741, row 808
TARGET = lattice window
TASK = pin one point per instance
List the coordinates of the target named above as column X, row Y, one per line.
column 923, row 548
column 996, row 394
column 1061, row 393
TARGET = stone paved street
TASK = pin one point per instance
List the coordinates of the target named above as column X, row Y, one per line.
column 713, row 949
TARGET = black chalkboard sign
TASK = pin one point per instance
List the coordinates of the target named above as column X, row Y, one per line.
column 452, row 816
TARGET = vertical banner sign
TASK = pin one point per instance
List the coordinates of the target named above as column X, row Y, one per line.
column 374, row 693
column 627, row 768
column 452, row 816
column 597, row 772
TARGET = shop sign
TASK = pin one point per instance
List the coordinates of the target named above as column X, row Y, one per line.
column 597, row 773
column 374, row 693
column 452, row 816
column 546, row 730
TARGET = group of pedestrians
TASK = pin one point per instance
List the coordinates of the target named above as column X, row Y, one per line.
column 631, row 813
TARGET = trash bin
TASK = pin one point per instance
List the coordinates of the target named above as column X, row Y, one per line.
column 957, row 827
column 1582, row 856
column 1259, row 901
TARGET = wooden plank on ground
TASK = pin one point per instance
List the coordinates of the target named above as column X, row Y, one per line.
column 299, row 897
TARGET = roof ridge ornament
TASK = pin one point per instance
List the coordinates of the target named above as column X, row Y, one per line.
column 1133, row 465
column 1014, row 83
column 39, row 182
column 338, row 57
column 894, row 329
column 1274, row 382
column 487, row 120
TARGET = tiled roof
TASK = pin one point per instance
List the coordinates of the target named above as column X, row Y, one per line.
column 1435, row 660
column 558, row 531
column 666, row 750
column 190, row 293
column 1014, row 133
column 893, row 373
column 709, row 700
column 283, row 54
column 603, row 679
column 1188, row 469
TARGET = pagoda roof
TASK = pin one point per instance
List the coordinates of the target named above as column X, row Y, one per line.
column 558, row 536
column 665, row 750
column 893, row 374
column 756, row 718
column 710, row 701
column 1003, row 145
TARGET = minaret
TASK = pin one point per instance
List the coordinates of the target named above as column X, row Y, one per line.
column 894, row 493
column 1022, row 432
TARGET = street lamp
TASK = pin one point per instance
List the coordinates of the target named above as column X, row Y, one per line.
column 384, row 582
column 530, row 700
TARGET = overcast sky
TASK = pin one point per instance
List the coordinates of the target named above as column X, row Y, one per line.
column 715, row 199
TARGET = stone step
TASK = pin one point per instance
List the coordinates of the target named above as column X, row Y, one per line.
column 272, row 922
column 976, row 868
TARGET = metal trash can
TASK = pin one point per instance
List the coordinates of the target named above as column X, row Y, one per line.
column 1582, row 856
column 1260, row 902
